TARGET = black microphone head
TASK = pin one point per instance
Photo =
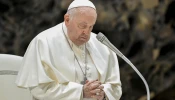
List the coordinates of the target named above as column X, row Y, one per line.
column 100, row 36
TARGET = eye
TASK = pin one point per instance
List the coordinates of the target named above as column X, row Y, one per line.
column 82, row 26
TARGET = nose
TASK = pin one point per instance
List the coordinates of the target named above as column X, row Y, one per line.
column 86, row 31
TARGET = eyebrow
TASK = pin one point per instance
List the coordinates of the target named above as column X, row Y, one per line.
column 86, row 23
column 83, row 23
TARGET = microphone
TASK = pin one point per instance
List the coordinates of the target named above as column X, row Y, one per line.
column 106, row 42
column 102, row 38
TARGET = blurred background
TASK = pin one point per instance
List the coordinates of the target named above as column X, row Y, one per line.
column 143, row 30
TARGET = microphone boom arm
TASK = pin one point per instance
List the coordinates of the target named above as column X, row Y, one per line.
column 106, row 42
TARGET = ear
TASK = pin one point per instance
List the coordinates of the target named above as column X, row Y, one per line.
column 66, row 19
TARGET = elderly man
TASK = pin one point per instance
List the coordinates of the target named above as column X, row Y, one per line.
column 67, row 62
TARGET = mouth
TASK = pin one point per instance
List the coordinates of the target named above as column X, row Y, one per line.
column 84, row 37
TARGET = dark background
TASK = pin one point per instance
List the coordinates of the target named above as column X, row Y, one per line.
column 143, row 30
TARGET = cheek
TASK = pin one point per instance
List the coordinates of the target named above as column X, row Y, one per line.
column 77, row 32
column 73, row 31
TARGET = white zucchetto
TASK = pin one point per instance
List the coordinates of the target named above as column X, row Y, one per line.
column 81, row 3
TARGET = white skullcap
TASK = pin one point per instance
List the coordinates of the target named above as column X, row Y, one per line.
column 81, row 3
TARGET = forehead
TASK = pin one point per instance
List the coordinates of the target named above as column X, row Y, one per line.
column 86, row 15
column 87, row 11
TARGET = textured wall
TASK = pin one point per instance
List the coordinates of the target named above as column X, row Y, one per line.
column 145, row 36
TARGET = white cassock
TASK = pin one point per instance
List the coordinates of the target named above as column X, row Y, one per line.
column 50, row 70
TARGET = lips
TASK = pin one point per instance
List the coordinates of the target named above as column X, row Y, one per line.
column 84, row 37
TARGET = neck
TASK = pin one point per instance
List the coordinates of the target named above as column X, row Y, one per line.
column 79, row 44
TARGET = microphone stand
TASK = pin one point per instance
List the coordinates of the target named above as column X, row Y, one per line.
column 106, row 42
column 143, row 79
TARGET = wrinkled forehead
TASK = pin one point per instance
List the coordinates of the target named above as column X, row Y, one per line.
column 88, row 21
column 86, row 10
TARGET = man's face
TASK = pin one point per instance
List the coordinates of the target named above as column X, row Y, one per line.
column 80, row 26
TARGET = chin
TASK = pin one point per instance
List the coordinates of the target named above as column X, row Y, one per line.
column 82, row 42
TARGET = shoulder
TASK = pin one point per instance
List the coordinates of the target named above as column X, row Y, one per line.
column 103, row 49
column 97, row 43
column 49, row 33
